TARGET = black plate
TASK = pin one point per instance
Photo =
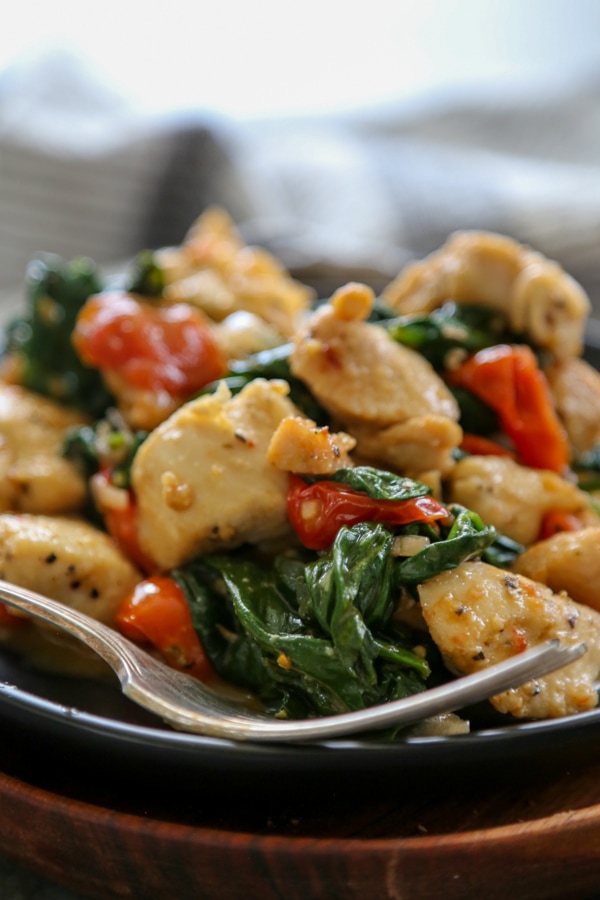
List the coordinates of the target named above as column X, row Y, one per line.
column 77, row 721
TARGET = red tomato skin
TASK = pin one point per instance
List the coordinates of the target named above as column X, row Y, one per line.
column 121, row 524
column 155, row 348
column 156, row 612
column 318, row 511
column 9, row 620
column 477, row 445
column 557, row 520
column 508, row 379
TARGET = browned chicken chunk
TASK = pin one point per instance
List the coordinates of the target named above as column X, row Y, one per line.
column 575, row 387
column 202, row 479
column 299, row 446
column 538, row 297
column 479, row 615
column 514, row 498
column 568, row 561
column 34, row 475
column 386, row 395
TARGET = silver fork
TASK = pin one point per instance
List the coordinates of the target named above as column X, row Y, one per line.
column 189, row 705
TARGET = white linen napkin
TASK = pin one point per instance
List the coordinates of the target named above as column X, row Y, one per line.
column 354, row 195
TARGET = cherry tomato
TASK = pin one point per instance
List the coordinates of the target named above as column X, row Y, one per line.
column 157, row 348
column 508, row 378
column 556, row 521
column 482, row 446
column 9, row 620
column 121, row 524
column 156, row 612
column 318, row 511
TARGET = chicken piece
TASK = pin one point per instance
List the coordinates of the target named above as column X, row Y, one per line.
column 214, row 270
column 538, row 297
column 514, row 498
column 568, row 561
column 68, row 560
column 386, row 395
column 141, row 409
column 420, row 448
column 152, row 358
column 479, row 615
column 575, row 388
column 299, row 445
column 442, row 725
column 202, row 479
column 360, row 374
column 34, row 476
column 243, row 333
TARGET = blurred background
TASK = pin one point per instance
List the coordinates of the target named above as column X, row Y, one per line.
column 347, row 138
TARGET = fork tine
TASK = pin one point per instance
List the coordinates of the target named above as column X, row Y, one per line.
column 241, row 724
column 187, row 704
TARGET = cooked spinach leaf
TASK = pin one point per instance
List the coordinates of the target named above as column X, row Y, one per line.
column 476, row 416
column 233, row 653
column 147, row 278
column 378, row 484
column 502, row 552
column 310, row 638
column 354, row 579
column 106, row 443
column 587, row 468
column 56, row 291
column 452, row 327
column 467, row 538
column 272, row 364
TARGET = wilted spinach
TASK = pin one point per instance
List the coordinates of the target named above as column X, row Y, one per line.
column 106, row 443
column 56, row 291
column 147, row 277
column 379, row 484
column 452, row 327
column 466, row 538
column 272, row 364
column 587, row 467
column 316, row 637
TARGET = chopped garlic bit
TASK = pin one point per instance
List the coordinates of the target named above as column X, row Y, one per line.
column 107, row 496
column 409, row 544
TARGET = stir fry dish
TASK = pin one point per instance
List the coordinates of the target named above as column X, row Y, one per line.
column 315, row 504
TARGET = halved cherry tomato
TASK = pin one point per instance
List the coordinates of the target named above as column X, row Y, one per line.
column 156, row 612
column 508, row 378
column 482, row 446
column 556, row 521
column 121, row 524
column 157, row 348
column 9, row 620
column 318, row 511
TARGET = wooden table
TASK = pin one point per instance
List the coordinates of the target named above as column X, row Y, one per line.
column 532, row 835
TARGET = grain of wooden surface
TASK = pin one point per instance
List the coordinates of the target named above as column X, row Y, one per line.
column 537, row 837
